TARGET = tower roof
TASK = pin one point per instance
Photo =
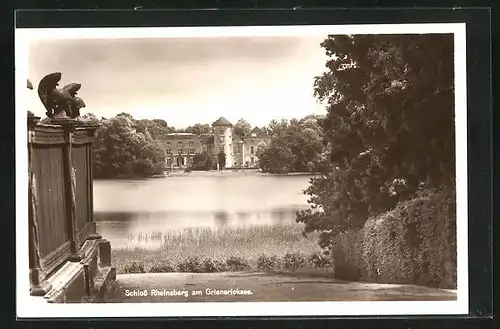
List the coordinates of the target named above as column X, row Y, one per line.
column 222, row 122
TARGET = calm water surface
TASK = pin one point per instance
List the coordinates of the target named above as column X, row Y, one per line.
column 133, row 212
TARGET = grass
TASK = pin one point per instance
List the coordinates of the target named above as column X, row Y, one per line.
column 263, row 248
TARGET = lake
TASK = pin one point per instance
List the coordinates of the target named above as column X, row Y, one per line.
column 132, row 213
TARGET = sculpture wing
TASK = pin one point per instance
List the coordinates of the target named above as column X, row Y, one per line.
column 72, row 88
column 46, row 86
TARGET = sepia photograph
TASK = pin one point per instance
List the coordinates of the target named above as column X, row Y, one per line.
column 232, row 171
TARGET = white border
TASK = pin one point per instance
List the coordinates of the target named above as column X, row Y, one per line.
column 29, row 307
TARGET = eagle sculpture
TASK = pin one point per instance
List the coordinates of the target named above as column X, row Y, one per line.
column 76, row 102
column 60, row 102
column 46, row 88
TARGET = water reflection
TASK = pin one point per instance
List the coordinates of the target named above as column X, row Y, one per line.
column 221, row 219
column 132, row 213
column 243, row 217
column 126, row 229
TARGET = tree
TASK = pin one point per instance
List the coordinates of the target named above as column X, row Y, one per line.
column 121, row 152
column 276, row 159
column 389, row 126
column 91, row 117
column 160, row 122
column 126, row 115
column 302, row 141
column 199, row 129
column 222, row 160
column 202, row 161
column 277, row 128
column 242, row 128
column 156, row 128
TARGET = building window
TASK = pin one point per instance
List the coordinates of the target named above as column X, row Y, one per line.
column 222, row 131
column 168, row 143
column 179, row 150
column 183, row 161
column 252, row 160
column 169, row 162
column 251, row 151
column 191, row 151
column 168, row 150
column 222, row 138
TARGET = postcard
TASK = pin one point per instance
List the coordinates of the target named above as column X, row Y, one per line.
column 241, row 171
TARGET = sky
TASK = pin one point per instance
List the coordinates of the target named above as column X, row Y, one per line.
column 186, row 80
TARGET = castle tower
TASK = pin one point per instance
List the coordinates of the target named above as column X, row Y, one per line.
column 223, row 139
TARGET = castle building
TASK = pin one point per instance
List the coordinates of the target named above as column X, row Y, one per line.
column 180, row 148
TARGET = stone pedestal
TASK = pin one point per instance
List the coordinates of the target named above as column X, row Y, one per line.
column 104, row 253
column 87, row 280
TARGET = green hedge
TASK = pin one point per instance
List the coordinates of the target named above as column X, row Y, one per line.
column 414, row 243
column 347, row 262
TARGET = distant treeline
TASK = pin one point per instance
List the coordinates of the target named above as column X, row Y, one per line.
column 126, row 147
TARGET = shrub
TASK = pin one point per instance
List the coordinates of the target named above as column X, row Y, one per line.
column 192, row 264
column 292, row 261
column 236, row 263
column 209, row 266
column 212, row 265
column 202, row 161
column 220, row 265
column 267, row 263
column 319, row 260
column 414, row 243
column 164, row 266
column 134, row 268
column 346, row 256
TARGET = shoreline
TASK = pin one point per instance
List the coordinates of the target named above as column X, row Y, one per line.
column 181, row 173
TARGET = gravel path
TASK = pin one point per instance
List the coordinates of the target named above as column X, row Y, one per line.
column 258, row 287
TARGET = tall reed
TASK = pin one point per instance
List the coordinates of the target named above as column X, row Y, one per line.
column 247, row 243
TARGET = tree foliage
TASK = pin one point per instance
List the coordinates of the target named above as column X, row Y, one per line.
column 91, row 117
column 156, row 128
column 389, row 127
column 276, row 128
column 296, row 146
column 202, row 161
column 242, row 128
column 222, row 160
column 276, row 159
column 119, row 151
column 199, row 129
